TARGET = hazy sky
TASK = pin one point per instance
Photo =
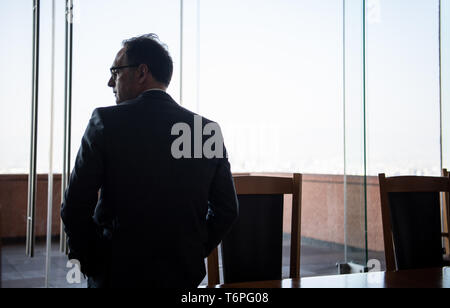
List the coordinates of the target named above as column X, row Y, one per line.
column 270, row 72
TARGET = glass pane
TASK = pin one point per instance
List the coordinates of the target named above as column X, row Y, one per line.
column 403, row 113
column 99, row 29
column 355, row 152
column 16, row 26
column 403, row 89
column 58, row 267
column 16, row 33
column 445, row 37
column 272, row 78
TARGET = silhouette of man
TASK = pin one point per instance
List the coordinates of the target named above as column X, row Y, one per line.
column 135, row 214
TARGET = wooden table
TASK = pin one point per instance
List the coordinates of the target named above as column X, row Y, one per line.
column 425, row 278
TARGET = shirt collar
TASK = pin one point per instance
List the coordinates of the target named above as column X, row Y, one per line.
column 154, row 89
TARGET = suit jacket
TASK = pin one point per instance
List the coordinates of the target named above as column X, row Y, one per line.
column 156, row 217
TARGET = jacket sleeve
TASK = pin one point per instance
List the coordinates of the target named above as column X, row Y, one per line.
column 81, row 195
column 223, row 205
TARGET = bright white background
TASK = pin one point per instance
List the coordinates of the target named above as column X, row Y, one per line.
column 270, row 72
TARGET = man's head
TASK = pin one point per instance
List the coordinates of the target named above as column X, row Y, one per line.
column 143, row 63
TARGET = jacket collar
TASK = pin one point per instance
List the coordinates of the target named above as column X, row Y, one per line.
column 155, row 95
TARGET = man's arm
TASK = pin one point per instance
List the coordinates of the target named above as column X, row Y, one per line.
column 81, row 195
column 223, row 205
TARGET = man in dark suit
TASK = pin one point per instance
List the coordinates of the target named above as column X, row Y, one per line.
column 161, row 209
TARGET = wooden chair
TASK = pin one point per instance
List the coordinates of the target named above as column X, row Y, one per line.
column 411, row 215
column 252, row 251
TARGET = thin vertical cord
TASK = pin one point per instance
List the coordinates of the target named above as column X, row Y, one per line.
column 50, row 171
column 62, row 243
column 198, row 58
column 67, row 111
column 345, row 127
column 440, row 88
column 181, row 51
column 32, row 180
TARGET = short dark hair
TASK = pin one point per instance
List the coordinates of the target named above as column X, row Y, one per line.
column 148, row 49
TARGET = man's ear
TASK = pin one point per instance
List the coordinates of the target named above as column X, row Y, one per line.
column 144, row 73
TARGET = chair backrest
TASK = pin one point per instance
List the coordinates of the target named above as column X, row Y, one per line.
column 410, row 207
column 252, row 251
column 1, row 228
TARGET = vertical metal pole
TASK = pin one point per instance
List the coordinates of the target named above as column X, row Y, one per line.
column 181, row 51
column 67, row 111
column 441, row 123
column 365, row 129
column 198, row 58
column 30, row 241
column 345, row 127
column 50, row 171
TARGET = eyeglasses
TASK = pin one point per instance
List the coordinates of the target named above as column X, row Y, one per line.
column 115, row 70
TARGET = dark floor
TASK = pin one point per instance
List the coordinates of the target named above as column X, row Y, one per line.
column 18, row 271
